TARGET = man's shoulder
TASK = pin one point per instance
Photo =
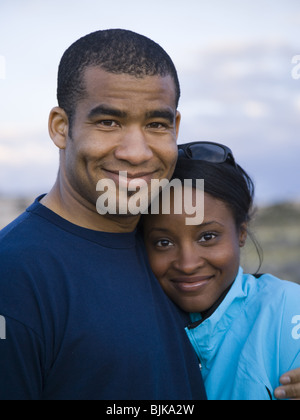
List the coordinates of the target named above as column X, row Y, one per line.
column 15, row 224
column 21, row 238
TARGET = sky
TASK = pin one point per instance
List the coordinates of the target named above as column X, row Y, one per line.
column 237, row 62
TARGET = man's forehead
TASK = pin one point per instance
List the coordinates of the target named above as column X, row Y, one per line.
column 98, row 78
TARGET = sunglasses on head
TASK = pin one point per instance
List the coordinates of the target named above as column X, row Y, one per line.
column 207, row 151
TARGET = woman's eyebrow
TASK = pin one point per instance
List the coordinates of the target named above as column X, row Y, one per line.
column 213, row 222
column 203, row 225
column 159, row 229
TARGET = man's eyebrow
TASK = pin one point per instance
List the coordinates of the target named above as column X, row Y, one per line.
column 104, row 110
column 161, row 113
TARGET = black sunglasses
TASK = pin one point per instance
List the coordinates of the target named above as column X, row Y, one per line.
column 207, row 151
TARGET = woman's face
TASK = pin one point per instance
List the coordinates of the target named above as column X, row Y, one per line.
column 195, row 264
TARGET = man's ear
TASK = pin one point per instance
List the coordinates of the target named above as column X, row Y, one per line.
column 58, row 127
column 177, row 123
column 243, row 234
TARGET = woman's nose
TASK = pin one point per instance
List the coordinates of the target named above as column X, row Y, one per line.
column 189, row 261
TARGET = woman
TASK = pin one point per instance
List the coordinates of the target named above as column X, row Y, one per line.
column 245, row 330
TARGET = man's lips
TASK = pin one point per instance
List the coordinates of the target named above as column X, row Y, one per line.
column 131, row 178
column 191, row 284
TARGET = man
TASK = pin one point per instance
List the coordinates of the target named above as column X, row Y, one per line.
column 85, row 318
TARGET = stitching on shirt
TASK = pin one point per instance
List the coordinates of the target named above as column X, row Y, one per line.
column 78, row 236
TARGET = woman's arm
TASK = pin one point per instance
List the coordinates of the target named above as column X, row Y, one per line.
column 290, row 388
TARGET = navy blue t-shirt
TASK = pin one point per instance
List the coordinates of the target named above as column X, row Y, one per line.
column 85, row 319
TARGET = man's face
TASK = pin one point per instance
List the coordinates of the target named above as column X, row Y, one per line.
column 123, row 124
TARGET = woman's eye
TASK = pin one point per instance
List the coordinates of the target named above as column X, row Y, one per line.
column 163, row 243
column 207, row 237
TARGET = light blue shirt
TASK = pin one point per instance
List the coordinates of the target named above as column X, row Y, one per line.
column 250, row 340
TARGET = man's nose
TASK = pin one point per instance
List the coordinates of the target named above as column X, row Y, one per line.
column 134, row 148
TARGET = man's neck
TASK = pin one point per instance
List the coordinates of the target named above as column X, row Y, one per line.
column 75, row 209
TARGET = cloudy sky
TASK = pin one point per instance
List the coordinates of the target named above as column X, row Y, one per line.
column 234, row 59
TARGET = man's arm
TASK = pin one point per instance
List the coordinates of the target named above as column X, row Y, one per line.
column 290, row 388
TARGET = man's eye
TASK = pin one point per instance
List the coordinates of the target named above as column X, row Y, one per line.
column 156, row 126
column 108, row 123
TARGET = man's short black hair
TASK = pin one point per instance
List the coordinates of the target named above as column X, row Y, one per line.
column 116, row 51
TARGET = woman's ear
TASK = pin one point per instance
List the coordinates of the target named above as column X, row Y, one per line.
column 58, row 127
column 243, row 234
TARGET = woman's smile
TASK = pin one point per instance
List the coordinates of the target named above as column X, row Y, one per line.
column 191, row 284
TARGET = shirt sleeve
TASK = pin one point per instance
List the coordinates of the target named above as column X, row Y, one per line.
column 22, row 346
column 21, row 375
column 290, row 330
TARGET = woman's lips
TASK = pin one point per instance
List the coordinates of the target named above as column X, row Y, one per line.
column 191, row 284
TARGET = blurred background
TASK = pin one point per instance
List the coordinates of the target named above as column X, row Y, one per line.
column 239, row 66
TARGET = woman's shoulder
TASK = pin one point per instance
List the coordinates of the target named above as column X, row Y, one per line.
column 282, row 307
column 274, row 290
column 276, row 283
